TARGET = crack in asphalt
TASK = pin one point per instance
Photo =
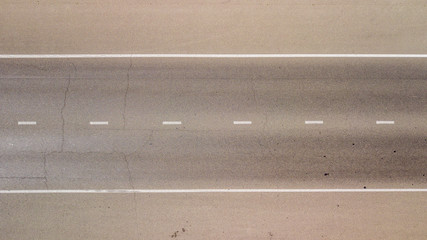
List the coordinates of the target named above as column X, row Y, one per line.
column 62, row 113
column 129, row 173
column 131, row 183
column 254, row 90
column 45, row 171
column 63, row 107
column 126, row 95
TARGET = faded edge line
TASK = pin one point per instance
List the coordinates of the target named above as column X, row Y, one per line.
column 196, row 55
column 338, row 190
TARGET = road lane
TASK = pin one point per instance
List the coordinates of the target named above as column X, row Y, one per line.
column 278, row 96
column 207, row 150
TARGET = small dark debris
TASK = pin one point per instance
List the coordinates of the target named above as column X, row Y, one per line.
column 338, row 205
column 183, row 229
column 394, row 151
column 364, row 187
column 353, row 144
column 324, row 156
column 175, row 234
column 326, row 174
column 424, row 175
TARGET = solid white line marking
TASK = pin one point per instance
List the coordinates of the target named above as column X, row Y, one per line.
column 8, row 56
column 313, row 122
column 320, row 190
column 27, row 123
column 242, row 122
column 172, row 122
column 99, row 123
column 385, row 122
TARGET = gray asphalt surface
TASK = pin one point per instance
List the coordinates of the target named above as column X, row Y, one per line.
column 278, row 150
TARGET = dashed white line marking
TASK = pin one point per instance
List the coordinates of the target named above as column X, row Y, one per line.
column 99, row 123
column 8, row 56
column 314, row 122
column 242, row 122
column 171, row 122
column 385, row 122
column 320, row 190
column 27, row 123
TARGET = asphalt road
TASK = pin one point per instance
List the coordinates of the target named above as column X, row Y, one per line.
column 47, row 141
column 207, row 151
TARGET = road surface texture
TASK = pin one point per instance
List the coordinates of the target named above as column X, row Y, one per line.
column 172, row 123
column 207, row 151
column 213, row 26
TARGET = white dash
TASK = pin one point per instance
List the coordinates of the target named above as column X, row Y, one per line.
column 99, row 123
column 27, row 123
column 313, row 122
column 172, row 122
column 242, row 122
column 385, row 122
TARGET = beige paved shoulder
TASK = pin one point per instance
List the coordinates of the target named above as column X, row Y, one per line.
column 213, row 27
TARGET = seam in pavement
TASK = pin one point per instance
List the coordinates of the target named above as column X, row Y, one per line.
column 130, row 175
column 126, row 94
column 134, row 194
column 63, row 107
column 45, row 171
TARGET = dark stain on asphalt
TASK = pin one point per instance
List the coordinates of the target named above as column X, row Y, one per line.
column 175, row 234
column 326, row 174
